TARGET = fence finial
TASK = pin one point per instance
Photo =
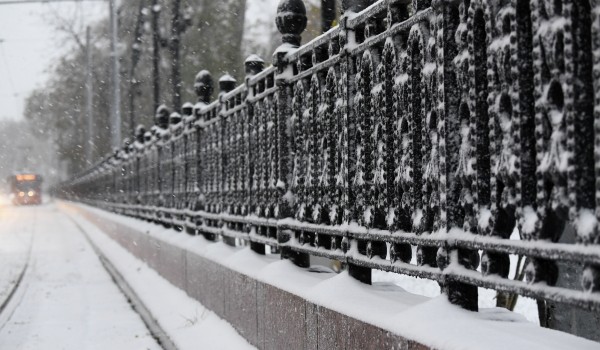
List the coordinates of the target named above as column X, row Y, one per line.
column 291, row 21
column 203, row 86
column 253, row 65
column 174, row 118
column 226, row 84
column 140, row 130
column 187, row 109
column 162, row 116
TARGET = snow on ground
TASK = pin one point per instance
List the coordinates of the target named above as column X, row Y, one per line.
column 431, row 321
column 15, row 240
column 187, row 322
column 487, row 297
column 66, row 299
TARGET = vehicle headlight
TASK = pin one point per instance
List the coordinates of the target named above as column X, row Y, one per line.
column 30, row 193
column 21, row 194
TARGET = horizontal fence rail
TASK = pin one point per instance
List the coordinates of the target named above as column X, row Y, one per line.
column 434, row 128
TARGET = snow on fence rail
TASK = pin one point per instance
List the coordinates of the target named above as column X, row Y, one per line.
column 439, row 124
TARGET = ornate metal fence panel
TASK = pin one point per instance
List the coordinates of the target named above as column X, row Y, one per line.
column 414, row 138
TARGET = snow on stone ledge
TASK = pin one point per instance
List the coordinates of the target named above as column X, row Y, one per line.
column 431, row 321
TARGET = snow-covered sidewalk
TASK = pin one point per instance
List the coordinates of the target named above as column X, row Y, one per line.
column 16, row 232
column 66, row 299
column 187, row 323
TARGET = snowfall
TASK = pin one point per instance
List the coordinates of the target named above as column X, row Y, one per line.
column 55, row 293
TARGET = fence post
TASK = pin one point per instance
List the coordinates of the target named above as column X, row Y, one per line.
column 361, row 273
column 203, row 87
column 253, row 65
column 447, row 22
column 140, row 132
column 162, row 125
column 291, row 22
column 226, row 84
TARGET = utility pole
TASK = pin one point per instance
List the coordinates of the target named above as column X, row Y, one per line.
column 156, row 53
column 89, row 97
column 135, row 57
column 116, row 103
column 176, row 29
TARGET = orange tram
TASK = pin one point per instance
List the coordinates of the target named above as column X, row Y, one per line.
column 25, row 189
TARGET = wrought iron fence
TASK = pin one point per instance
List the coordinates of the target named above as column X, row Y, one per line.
column 434, row 128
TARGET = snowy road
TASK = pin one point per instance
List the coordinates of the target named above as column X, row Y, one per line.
column 66, row 299
column 15, row 241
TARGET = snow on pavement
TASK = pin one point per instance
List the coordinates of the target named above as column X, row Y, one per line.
column 15, row 239
column 188, row 323
column 66, row 300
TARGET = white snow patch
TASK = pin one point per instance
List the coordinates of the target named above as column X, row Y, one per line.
column 367, row 215
column 417, row 216
column 391, row 217
column 530, row 219
column 485, row 215
column 586, row 224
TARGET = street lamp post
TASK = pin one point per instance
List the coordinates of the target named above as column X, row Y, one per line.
column 116, row 103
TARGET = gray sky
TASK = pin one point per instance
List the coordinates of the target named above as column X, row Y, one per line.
column 31, row 44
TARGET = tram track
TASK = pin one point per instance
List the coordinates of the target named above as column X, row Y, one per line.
column 7, row 305
column 157, row 332
column 53, row 288
column 10, row 302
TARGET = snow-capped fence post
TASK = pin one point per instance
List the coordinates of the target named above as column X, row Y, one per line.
column 291, row 22
column 177, row 148
column 226, row 84
column 203, row 87
column 163, row 161
column 138, row 145
column 223, row 152
column 454, row 181
column 124, row 189
column 253, row 66
column 363, row 144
